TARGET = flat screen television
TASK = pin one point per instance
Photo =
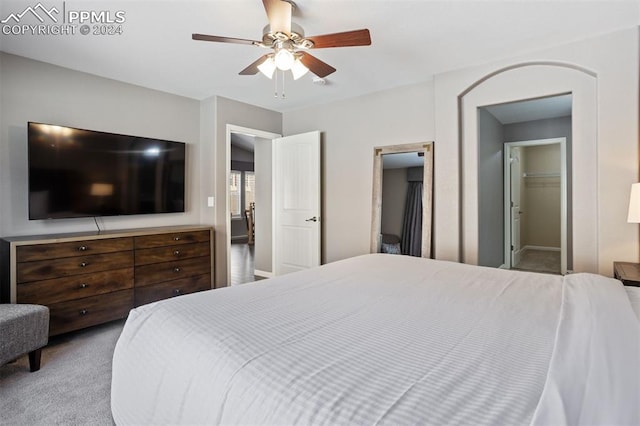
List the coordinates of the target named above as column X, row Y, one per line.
column 84, row 173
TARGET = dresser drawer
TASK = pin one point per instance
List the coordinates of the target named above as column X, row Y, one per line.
column 165, row 254
column 168, row 271
column 81, row 313
column 159, row 240
column 47, row 292
column 75, row 248
column 155, row 292
column 47, row 269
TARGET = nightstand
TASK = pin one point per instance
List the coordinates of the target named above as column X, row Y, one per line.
column 627, row 272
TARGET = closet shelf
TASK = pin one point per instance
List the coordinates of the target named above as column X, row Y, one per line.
column 538, row 175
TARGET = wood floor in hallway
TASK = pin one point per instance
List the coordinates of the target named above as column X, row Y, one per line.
column 242, row 263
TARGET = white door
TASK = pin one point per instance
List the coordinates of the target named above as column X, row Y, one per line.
column 297, row 202
column 516, row 179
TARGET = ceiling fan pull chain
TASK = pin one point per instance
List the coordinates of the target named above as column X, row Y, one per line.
column 281, row 95
column 282, row 73
column 275, row 85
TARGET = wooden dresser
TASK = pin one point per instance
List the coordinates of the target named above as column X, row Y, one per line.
column 87, row 278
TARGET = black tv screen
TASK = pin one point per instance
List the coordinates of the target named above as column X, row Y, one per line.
column 82, row 173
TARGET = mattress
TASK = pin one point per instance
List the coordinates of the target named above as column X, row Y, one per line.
column 385, row 339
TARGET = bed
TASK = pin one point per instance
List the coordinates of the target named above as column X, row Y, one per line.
column 385, row 339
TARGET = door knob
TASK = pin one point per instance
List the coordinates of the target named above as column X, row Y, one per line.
column 312, row 219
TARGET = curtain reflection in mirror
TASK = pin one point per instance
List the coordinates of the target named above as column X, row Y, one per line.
column 411, row 239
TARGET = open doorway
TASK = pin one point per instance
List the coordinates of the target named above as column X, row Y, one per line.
column 524, row 185
column 535, row 178
column 287, row 198
column 242, row 195
column 250, row 205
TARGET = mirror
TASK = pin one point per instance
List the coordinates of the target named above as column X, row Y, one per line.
column 402, row 209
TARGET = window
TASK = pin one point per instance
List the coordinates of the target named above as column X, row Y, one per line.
column 249, row 189
column 242, row 192
column 235, row 194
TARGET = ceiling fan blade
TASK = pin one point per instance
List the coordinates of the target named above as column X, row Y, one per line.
column 205, row 37
column 279, row 14
column 316, row 66
column 253, row 68
column 347, row 38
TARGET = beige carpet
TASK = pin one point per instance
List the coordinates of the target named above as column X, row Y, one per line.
column 539, row 261
column 72, row 387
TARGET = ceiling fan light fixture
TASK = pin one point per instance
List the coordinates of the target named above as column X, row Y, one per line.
column 298, row 69
column 268, row 67
column 284, row 59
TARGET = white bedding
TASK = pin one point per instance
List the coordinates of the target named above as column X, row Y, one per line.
column 634, row 298
column 385, row 339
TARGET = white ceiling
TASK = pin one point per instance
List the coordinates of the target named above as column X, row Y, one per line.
column 411, row 41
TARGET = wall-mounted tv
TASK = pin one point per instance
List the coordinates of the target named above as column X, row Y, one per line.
column 84, row 173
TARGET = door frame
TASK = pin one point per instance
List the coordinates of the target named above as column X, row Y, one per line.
column 563, row 196
column 509, row 239
column 232, row 128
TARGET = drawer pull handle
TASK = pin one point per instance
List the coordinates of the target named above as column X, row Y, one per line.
column 176, row 269
column 177, row 252
column 84, row 285
column 84, row 264
column 177, row 291
column 84, row 312
column 176, row 238
column 82, row 248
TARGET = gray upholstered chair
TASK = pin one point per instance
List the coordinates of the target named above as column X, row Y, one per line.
column 23, row 329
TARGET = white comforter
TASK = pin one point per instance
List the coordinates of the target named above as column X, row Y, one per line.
column 385, row 339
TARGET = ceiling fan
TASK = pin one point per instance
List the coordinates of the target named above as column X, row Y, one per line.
column 289, row 45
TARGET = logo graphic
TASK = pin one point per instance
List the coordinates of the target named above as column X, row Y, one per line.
column 50, row 22
column 33, row 11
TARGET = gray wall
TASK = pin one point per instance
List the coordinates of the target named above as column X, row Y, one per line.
column 36, row 91
column 490, row 190
column 228, row 111
column 263, row 244
column 207, row 116
column 394, row 197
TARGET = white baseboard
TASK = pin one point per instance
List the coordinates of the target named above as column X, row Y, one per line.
column 540, row 248
column 264, row 274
